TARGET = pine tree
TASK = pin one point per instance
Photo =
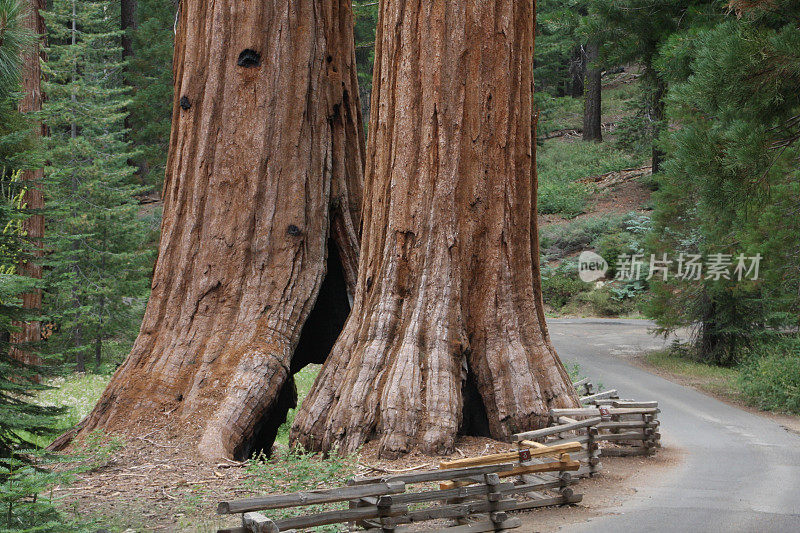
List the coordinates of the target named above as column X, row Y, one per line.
column 21, row 420
column 149, row 72
column 558, row 44
column 98, row 262
column 365, row 21
column 731, row 182
column 23, row 423
column 634, row 31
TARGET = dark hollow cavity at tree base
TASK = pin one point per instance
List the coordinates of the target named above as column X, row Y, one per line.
column 325, row 322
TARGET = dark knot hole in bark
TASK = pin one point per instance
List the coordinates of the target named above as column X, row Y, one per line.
column 185, row 103
column 249, row 58
column 474, row 420
column 323, row 326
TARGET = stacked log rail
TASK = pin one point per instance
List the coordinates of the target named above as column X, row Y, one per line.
column 381, row 504
column 583, row 433
column 631, row 425
column 476, row 493
column 543, row 473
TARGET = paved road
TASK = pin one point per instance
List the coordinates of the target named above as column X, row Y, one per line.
column 740, row 471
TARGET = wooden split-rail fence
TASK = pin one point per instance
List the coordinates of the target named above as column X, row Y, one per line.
column 632, row 426
column 474, row 494
column 466, row 495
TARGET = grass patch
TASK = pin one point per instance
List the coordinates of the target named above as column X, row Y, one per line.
column 768, row 378
column 617, row 99
column 299, row 470
column 561, row 164
column 303, row 380
column 78, row 392
column 716, row 380
column 559, row 113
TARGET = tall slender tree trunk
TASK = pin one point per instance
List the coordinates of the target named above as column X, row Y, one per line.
column 127, row 24
column 33, row 226
column 447, row 328
column 658, row 105
column 577, row 73
column 77, row 335
column 592, row 125
column 264, row 171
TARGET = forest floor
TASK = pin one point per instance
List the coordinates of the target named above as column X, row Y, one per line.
column 148, row 486
column 592, row 196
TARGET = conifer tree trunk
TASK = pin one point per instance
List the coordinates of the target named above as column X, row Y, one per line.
column 127, row 23
column 33, row 199
column 265, row 169
column 659, row 106
column 592, row 125
column 447, row 331
column 577, row 73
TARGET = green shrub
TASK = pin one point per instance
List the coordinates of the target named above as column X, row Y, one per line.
column 567, row 199
column 605, row 302
column 561, row 284
column 559, row 240
column 770, row 377
column 628, row 239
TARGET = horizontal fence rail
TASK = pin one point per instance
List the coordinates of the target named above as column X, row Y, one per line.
column 475, row 493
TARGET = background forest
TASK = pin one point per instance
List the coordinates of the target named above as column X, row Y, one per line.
column 665, row 127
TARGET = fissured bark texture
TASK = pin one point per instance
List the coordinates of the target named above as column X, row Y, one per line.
column 33, row 199
column 448, row 280
column 265, row 164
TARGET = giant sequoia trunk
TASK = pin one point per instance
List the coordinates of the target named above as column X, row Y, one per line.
column 33, row 199
column 264, row 170
column 447, row 331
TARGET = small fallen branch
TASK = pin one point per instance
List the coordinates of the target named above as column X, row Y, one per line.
column 392, row 471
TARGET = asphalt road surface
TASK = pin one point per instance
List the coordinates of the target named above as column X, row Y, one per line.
column 739, row 471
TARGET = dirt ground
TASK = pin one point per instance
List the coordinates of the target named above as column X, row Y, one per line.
column 155, row 486
column 618, row 193
column 617, row 482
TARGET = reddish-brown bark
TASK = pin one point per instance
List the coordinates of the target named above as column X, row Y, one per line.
column 265, row 166
column 447, row 309
column 33, row 226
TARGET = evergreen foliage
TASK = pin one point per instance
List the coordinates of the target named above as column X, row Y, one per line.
column 149, row 74
column 16, row 144
column 24, row 424
column 98, row 263
column 365, row 22
column 22, row 421
column 558, row 42
column 732, row 180
column 633, row 31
